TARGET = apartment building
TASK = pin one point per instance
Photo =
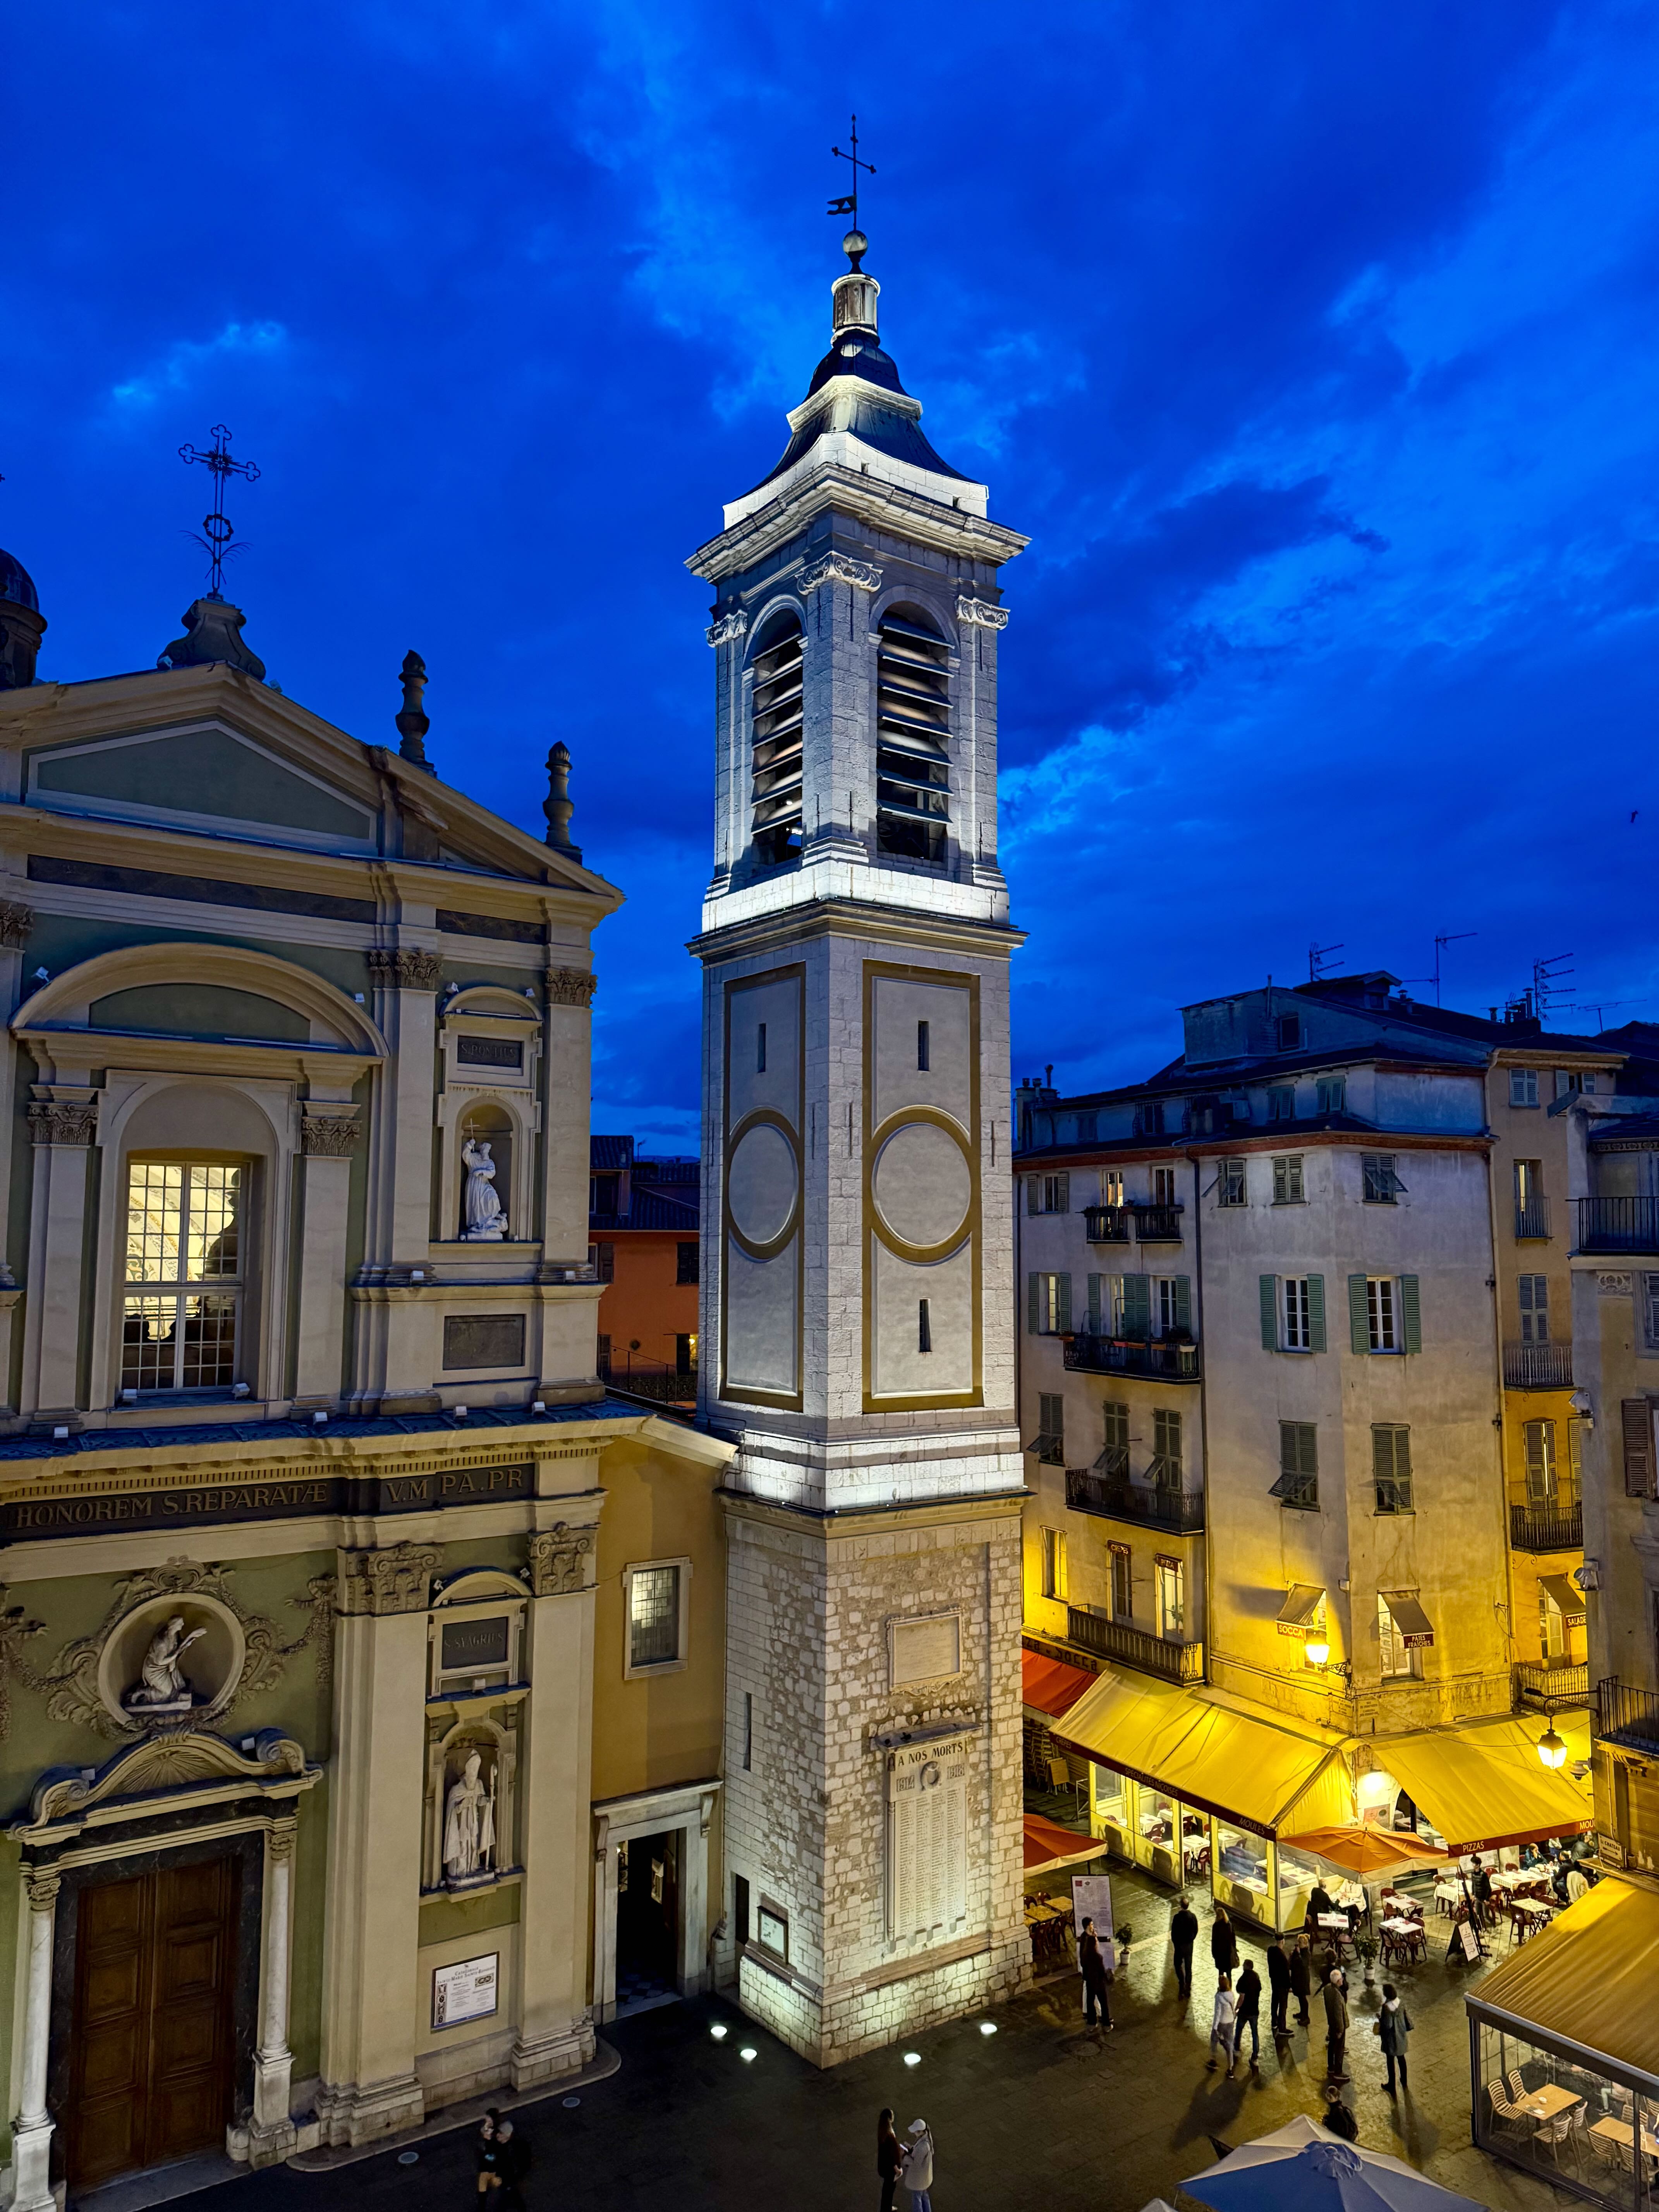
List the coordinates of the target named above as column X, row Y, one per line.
column 643, row 1242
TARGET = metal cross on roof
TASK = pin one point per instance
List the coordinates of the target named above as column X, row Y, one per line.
column 217, row 529
column 849, row 203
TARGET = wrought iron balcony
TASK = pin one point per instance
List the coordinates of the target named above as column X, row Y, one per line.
column 1165, row 1359
column 1538, row 1367
column 1158, row 1224
column 1619, row 1224
column 1163, row 1655
column 1180, row 1511
column 1623, row 1714
column 1547, row 1527
column 1106, row 1225
column 1531, row 1221
column 1550, row 1685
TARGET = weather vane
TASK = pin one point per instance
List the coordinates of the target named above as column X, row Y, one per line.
column 849, row 204
column 218, row 529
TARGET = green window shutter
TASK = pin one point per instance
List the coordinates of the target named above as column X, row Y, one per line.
column 1269, row 1286
column 1359, row 1326
column 1316, row 1312
column 1411, row 1314
column 1183, row 1302
column 1636, row 1416
column 1063, row 1194
column 1382, row 1454
column 1031, row 1198
column 1402, row 1453
column 1063, row 1318
column 1034, row 1304
column 1137, row 1305
column 1096, row 1282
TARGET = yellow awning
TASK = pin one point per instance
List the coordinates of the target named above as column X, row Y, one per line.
column 1561, row 1594
column 1588, row 1979
column 1302, row 1604
column 1484, row 1785
column 1212, row 1757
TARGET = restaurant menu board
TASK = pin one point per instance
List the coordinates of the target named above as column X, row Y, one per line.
column 467, row 1991
column 1092, row 1899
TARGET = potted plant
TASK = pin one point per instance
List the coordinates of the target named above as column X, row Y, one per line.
column 1366, row 1947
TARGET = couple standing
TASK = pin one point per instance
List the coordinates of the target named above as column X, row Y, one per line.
column 910, row 2162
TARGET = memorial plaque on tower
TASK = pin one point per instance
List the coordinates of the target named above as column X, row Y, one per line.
column 927, row 1837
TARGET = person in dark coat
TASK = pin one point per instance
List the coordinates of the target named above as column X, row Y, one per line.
column 1183, row 1934
column 1091, row 1962
column 488, row 2151
column 1279, row 1984
column 513, row 2164
column 1302, row 1978
column 1223, row 1944
column 1336, row 2026
column 1394, row 2027
column 1481, row 1886
column 1337, row 2116
column 1320, row 1902
column 888, row 2158
column 1248, row 2013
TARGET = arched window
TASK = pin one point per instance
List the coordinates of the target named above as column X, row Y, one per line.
column 912, row 775
column 777, row 724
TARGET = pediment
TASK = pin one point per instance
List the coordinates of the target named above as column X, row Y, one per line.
column 204, row 776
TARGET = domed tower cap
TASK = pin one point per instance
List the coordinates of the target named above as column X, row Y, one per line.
column 22, row 625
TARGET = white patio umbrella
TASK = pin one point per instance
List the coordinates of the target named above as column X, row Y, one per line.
column 1303, row 2168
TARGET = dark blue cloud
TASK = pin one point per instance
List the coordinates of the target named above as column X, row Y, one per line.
column 1313, row 347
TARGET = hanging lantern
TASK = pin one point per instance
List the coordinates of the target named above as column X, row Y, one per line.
column 1552, row 1748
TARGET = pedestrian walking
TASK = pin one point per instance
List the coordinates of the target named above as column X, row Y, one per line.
column 1301, row 1979
column 512, row 2163
column 1279, row 1984
column 488, row 2153
column 1337, row 2116
column 1249, row 1993
column 1091, row 1962
column 1223, row 1944
column 1183, row 1934
column 919, row 2167
column 1336, row 2026
column 1222, row 2022
column 1394, row 2026
column 890, row 2157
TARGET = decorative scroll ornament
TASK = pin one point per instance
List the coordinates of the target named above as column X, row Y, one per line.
column 329, row 1136
column 559, row 1559
column 726, row 631
column 981, row 614
column 396, row 1580
column 404, row 968
column 64, row 1121
column 838, row 568
column 319, row 1631
column 43, row 1890
column 15, row 923
column 143, row 1769
column 571, row 987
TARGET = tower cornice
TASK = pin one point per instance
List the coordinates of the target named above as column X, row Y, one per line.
column 861, row 919
column 866, row 500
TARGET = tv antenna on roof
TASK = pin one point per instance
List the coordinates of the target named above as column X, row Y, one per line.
column 848, row 203
column 1551, row 983
column 1443, row 937
column 1317, row 955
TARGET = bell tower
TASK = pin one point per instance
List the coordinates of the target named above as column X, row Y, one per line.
column 857, row 1298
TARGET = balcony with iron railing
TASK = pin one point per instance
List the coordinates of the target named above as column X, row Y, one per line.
column 1531, row 1221
column 1153, row 1505
column 1619, row 1224
column 1106, row 1225
column 1158, row 1224
column 1161, row 1359
column 1170, row 1659
column 1624, row 1715
column 1550, row 1685
column 1557, row 1527
column 1538, row 1367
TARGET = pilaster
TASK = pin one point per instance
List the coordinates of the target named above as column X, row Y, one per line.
column 63, row 1125
column 567, row 1064
column 398, row 1368
column 329, row 1137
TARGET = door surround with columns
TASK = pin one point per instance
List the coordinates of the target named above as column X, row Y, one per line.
column 687, row 1808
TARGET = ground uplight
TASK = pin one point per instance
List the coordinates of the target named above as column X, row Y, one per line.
column 719, row 2030
column 988, row 2027
column 748, row 2052
column 913, row 2058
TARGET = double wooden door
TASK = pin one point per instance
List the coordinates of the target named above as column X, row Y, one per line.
column 152, row 2058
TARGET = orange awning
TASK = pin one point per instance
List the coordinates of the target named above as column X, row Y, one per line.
column 1046, row 1844
column 1365, row 1851
column 1050, row 1685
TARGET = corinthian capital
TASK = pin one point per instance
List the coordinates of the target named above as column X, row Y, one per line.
column 571, row 987
column 404, row 968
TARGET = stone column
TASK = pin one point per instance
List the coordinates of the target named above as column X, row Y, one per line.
column 31, row 2137
column 329, row 1136
column 400, row 1173
column 271, row 2132
column 556, row 2035
column 373, row 1932
column 63, row 1125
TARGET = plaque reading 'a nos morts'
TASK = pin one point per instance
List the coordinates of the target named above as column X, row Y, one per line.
column 928, row 1838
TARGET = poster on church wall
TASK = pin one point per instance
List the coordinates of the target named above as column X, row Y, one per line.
column 470, row 1989
column 928, row 1838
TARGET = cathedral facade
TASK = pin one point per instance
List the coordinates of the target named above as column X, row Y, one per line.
column 856, row 1331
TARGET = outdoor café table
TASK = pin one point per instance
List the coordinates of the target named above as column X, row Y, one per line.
column 1548, row 2103
column 1337, row 1927
column 1621, row 2132
column 1448, row 1892
column 1405, row 1937
column 1531, row 1915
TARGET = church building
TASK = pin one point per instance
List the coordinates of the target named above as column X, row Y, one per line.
column 360, row 1661
column 857, row 1303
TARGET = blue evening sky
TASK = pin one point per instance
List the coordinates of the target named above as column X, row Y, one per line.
column 1312, row 345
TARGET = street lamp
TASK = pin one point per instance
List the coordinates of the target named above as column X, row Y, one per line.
column 1317, row 1649
column 1552, row 1748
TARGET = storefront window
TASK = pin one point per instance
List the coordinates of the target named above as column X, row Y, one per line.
column 1111, row 1809
column 1548, row 2114
column 1243, row 1875
column 1297, row 1874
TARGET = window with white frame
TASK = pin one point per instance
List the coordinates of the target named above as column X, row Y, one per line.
column 1534, row 1293
column 1537, row 1444
column 1398, row 1658
column 1114, row 1459
column 656, row 1615
column 1111, row 1186
column 1163, row 1186
column 1050, row 1303
column 1170, row 1597
column 1173, row 1305
column 1287, row 1181
column 1123, row 1601
column 1382, row 1312
column 1281, row 1102
column 1165, row 1469
column 1332, row 1094
column 1523, row 1087
column 183, row 1287
column 1297, row 1315
column 1053, row 1563
column 1049, row 1193
column 1229, row 1184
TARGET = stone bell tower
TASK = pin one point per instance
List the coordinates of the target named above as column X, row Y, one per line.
column 857, row 1315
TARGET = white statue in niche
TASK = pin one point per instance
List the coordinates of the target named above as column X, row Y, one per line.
column 162, row 1687
column 485, row 1220
column 469, row 1824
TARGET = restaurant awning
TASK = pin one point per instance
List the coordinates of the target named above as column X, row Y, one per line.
column 1562, row 1595
column 1047, row 1845
column 1213, row 1758
column 1587, row 1981
column 1485, row 1785
column 1416, row 1629
column 1301, row 1607
column 1049, row 1686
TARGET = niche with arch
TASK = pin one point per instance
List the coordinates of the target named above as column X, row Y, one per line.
column 485, row 1129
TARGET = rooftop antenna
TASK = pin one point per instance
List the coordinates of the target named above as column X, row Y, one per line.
column 1317, row 955
column 217, row 529
column 1441, row 940
column 848, row 203
column 1551, row 981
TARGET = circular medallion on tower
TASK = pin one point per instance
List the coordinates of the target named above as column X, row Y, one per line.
column 762, row 1187
column 923, row 1188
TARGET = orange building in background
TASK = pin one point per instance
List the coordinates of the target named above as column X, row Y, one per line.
column 642, row 1238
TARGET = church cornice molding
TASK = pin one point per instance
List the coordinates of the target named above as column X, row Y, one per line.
column 871, row 924
column 869, row 500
